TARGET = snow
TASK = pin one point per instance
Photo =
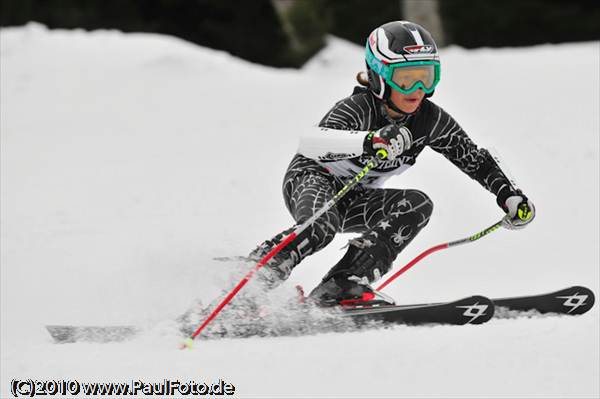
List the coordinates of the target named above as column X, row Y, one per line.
column 129, row 161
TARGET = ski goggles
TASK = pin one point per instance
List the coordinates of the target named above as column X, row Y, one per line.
column 407, row 77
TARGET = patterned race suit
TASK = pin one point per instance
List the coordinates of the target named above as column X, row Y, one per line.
column 388, row 219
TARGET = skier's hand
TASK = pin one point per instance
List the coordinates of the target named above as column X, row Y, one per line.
column 519, row 212
column 392, row 139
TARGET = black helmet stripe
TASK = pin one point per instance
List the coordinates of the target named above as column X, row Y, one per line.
column 386, row 51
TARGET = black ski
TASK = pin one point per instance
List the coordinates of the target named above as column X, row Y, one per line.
column 234, row 259
column 569, row 301
column 98, row 334
column 471, row 310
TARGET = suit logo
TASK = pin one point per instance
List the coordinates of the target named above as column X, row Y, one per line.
column 330, row 156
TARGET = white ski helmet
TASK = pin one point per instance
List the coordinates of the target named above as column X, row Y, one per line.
column 403, row 56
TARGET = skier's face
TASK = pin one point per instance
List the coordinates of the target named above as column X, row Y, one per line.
column 407, row 102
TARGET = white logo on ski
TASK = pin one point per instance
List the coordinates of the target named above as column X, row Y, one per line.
column 574, row 301
column 474, row 311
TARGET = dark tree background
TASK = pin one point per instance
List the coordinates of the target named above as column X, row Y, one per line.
column 291, row 33
column 520, row 22
column 248, row 29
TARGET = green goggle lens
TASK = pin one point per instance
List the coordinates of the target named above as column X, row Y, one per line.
column 407, row 77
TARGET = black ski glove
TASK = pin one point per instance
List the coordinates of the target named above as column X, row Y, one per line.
column 391, row 138
column 519, row 211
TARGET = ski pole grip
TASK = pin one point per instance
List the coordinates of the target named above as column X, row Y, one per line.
column 381, row 154
column 524, row 213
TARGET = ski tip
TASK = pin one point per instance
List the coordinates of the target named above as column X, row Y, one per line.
column 98, row 334
column 576, row 299
column 235, row 258
column 570, row 301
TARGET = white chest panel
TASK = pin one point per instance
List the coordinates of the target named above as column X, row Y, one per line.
column 346, row 170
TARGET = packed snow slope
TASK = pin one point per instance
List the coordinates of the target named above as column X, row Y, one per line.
column 129, row 161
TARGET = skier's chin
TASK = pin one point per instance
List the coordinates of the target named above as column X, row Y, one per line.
column 408, row 105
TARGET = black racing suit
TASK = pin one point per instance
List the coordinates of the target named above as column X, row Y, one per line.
column 388, row 219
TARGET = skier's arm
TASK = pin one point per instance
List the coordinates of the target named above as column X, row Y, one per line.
column 449, row 139
column 342, row 131
column 331, row 144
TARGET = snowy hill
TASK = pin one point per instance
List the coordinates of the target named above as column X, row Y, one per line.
column 129, row 161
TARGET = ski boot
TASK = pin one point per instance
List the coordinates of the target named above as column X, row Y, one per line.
column 347, row 283
column 346, row 291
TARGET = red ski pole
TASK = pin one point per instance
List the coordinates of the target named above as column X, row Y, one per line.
column 436, row 248
column 381, row 154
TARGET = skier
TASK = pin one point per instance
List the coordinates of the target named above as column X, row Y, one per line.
column 394, row 113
